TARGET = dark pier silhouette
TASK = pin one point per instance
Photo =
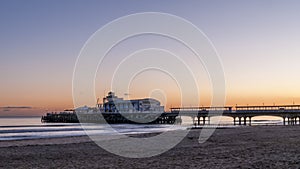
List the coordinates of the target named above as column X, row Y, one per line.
column 241, row 115
column 111, row 118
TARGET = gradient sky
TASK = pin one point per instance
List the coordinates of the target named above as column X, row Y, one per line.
column 258, row 43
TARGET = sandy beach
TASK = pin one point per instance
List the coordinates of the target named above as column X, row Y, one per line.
column 245, row 147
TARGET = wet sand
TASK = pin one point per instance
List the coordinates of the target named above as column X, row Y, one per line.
column 245, row 147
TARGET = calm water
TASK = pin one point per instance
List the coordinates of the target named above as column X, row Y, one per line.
column 17, row 128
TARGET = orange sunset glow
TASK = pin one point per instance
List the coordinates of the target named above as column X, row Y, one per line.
column 260, row 60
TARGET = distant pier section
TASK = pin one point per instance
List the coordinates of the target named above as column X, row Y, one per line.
column 241, row 115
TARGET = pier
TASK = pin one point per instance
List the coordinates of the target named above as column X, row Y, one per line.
column 241, row 115
column 111, row 118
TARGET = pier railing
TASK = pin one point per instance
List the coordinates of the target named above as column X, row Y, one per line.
column 242, row 114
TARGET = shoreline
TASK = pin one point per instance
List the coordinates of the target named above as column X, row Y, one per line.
column 244, row 147
column 86, row 138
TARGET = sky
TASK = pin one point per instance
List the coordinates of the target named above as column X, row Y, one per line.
column 257, row 42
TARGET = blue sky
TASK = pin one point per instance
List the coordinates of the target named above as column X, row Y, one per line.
column 258, row 42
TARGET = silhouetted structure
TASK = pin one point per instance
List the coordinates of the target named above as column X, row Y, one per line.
column 241, row 115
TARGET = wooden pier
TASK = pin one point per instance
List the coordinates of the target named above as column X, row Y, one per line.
column 111, row 118
column 242, row 115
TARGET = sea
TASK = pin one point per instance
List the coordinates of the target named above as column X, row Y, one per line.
column 21, row 128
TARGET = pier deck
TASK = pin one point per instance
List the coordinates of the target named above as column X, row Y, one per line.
column 241, row 115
